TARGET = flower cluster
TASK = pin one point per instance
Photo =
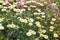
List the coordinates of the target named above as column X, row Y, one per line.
column 35, row 21
column 31, row 32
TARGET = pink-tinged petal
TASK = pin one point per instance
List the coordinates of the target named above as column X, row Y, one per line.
column 6, row 1
column 10, row 1
column 20, row 3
